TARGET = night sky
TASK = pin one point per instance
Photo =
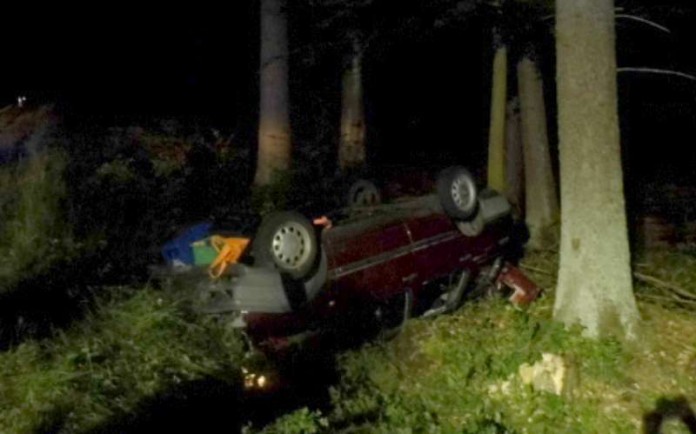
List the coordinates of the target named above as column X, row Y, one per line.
column 132, row 60
column 426, row 93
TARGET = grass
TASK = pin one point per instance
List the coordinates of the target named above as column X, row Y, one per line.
column 460, row 373
column 134, row 349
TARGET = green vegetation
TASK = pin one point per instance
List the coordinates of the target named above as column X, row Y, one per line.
column 33, row 233
column 70, row 217
column 136, row 344
column 132, row 349
column 461, row 373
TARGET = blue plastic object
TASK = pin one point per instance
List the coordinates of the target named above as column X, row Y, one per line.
column 178, row 251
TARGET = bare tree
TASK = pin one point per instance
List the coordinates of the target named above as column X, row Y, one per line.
column 594, row 283
column 514, row 157
column 351, row 148
column 362, row 28
column 274, row 118
column 496, row 136
column 541, row 202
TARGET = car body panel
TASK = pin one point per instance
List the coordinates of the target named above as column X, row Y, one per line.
column 373, row 262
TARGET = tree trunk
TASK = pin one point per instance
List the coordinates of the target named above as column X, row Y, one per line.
column 541, row 202
column 351, row 149
column 274, row 118
column 594, row 281
column 496, row 137
column 514, row 163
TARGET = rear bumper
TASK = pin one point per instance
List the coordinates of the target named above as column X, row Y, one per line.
column 260, row 290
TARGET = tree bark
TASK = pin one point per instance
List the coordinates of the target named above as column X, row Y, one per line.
column 514, row 157
column 541, row 202
column 351, row 148
column 594, row 281
column 274, row 118
column 496, row 137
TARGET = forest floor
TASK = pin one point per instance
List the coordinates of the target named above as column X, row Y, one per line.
column 465, row 372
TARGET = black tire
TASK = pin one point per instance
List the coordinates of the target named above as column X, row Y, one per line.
column 287, row 241
column 363, row 193
column 473, row 226
column 458, row 194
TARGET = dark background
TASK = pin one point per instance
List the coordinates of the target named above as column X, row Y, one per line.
column 427, row 90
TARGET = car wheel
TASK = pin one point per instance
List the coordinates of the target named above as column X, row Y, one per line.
column 287, row 241
column 457, row 192
column 363, row 193
column 472, row 227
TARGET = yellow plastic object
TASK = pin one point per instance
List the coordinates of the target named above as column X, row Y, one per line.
column 229, row 251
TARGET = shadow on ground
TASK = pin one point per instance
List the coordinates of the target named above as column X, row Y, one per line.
column 51, row 300
column 667, row 410
column 205, row 406
column 215, row 406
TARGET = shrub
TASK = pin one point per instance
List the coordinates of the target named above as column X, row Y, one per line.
column 33, row 233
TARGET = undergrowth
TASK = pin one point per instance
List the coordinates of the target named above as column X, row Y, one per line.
column 136, row 348
column 460, row 373
column 33, row 231
column 71, row 218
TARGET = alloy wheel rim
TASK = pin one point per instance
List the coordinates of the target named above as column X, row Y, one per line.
column 462, row 193
column 290, row 246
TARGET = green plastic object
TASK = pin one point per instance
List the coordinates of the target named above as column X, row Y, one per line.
column 203, row 252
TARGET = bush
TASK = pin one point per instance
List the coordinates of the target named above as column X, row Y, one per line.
column 132, row 189
column 302, row 421
column 33, row 232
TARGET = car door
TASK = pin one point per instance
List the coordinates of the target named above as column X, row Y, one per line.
column 438, row 246
column 371, row 259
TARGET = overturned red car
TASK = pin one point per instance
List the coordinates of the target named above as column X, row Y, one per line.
column 369, row 268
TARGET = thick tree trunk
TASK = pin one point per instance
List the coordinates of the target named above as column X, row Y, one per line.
column 351, row 148
column 541, row 202
column 496, row 137
column 594, row 281
column 274, row 118
column 514, row 157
